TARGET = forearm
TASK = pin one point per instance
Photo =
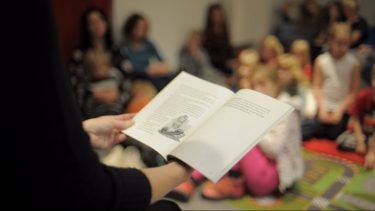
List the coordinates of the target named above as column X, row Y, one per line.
column 356, row 35
column 344, row 106
column 163, row 179
column 348, row 100
column 317, row 86
column 358, row 132
column 371, row 148
column 319, row 100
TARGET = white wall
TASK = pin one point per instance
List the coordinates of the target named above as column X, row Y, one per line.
column 249, row 20
column 170, row 21
column 368, row 10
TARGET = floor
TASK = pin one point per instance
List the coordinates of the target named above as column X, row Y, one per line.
column 328, row 184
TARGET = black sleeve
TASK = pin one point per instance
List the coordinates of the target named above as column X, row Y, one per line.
column 49, row 163
column 360, row 25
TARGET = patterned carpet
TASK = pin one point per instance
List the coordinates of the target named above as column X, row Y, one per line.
column 328, row 184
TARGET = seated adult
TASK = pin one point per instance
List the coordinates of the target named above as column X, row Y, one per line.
column 358, row 24
column 95, row 36
column 144, row 59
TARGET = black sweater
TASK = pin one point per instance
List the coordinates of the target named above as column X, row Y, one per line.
column 49, row 162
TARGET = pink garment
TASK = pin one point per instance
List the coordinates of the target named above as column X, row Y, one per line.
column 197, row 176
column 308, row 71
column 260, row 172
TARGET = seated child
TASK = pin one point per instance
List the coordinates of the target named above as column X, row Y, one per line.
column 194, row 59
column 362, row 136
column 274, row 164
column 292, row 79
column 295, row 83
column 142, row 93
column 270, row 49
column 104, row 91
column 301, row 50
column 336, row 80
column 248, row 59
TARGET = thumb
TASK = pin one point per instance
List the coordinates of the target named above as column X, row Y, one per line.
column 125, row 116
column 123, row 124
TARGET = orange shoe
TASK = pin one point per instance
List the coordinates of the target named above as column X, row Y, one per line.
column 226, row 188
column 183, row 192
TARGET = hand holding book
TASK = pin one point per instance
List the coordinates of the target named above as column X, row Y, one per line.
column 206, row 126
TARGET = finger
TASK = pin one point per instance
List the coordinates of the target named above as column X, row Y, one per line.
column 367, row 165
column 120, row 137
column 125, row 116
column 123, row 124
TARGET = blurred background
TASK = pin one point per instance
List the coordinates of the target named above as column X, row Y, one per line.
column 171, row 20
column 317, row 54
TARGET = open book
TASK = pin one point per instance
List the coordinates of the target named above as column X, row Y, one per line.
column 205, row 125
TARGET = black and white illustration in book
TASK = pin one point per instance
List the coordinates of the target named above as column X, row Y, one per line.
column 176, row 129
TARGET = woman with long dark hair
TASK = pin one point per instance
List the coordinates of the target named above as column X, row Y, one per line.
column 96, row 36
column 145, row 60
column 95, row 30
column 216, row 40
column 331, row 14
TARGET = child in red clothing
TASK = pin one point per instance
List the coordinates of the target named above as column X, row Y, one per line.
column 362, row 116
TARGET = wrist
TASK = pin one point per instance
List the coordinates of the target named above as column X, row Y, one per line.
column 87, row 126
column 340, row 111
column 361, row 138
column 181, row 165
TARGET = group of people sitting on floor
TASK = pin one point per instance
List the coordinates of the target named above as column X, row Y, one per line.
column 323, row 89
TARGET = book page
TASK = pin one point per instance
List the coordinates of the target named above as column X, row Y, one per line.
column 231, row 132
column 176, row 112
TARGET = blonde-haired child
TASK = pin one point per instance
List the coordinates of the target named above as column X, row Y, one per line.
column 276, row 163
column 97, row 64
column 270, row 49
column 301, row 50
column 293, row 80
column 142, row 93
column 248, row 59
column 295, row 83
column 336, row 80
column 104, row 84
column 291, row 74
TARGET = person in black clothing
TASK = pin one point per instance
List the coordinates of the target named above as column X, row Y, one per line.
column 96, row 36
column 145, row 61
column 331, row 14
column 48, row 160
column 216, row 41
column 357, row 23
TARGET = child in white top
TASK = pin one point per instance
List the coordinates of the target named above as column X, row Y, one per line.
column 336, row 80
